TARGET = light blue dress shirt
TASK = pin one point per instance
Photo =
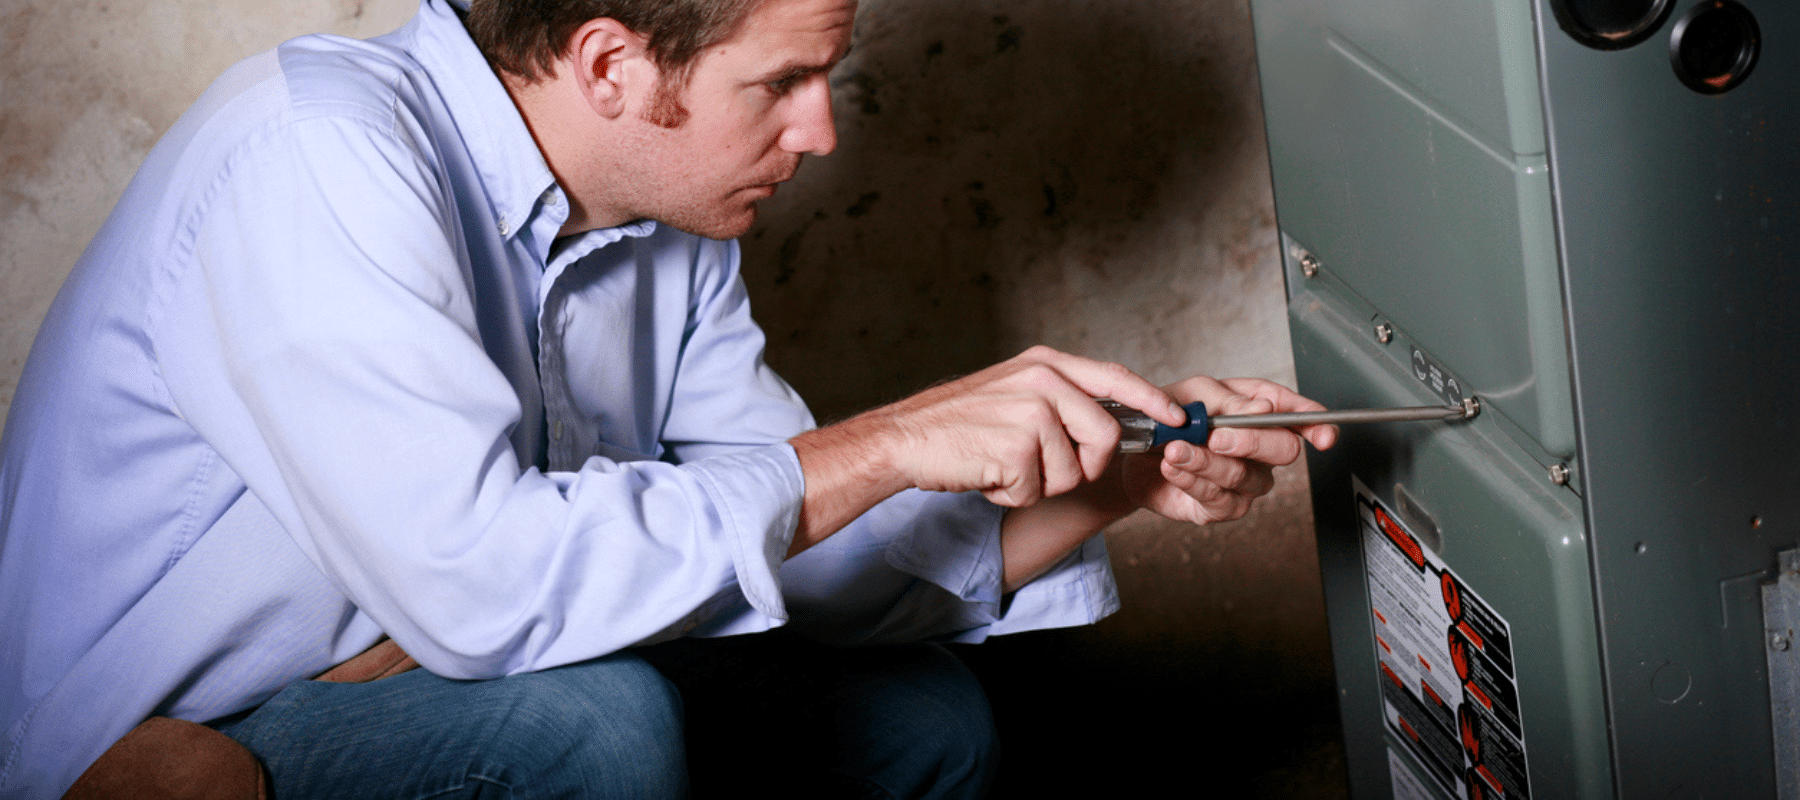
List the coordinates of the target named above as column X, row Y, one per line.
column 327, row 373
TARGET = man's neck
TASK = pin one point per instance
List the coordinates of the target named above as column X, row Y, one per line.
column 563, row 127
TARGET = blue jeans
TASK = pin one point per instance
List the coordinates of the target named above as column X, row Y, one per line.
column 766, row 711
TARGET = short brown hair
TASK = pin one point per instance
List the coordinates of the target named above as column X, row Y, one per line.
column 525, row 37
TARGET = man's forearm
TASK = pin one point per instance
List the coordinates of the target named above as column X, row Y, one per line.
column 1036, row 537
column 846, row 475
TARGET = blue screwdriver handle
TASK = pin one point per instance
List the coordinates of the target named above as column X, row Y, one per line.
column 1198, row 427
column 1139, row 433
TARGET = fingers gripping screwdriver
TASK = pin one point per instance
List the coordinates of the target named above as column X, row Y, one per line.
column 1140, row 433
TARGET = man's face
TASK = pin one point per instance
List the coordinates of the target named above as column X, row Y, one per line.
column 753, row 105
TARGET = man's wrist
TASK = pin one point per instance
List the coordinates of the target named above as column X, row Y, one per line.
column 1036, row 537
column 848, row 468
column 855, row 452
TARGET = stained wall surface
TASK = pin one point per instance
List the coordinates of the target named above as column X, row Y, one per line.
column 1088, row 175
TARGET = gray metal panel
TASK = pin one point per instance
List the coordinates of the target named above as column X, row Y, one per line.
column 1679, row 215
column 1405, row 140
column 1515, row 538
column 1497, row 103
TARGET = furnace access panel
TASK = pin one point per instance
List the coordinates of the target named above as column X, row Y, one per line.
column 1581, row 213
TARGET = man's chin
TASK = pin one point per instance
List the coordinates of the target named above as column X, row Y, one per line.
column 716, row 226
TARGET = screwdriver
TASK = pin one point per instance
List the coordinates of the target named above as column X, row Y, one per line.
column 1140, row 433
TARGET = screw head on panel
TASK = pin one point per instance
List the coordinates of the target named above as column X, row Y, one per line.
column 1779, row 642
column 1309, row 265
column 1559, row 474
column 1384, row 333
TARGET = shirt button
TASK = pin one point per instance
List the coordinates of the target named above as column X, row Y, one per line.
column 556, row 431
column 551, row 197
column 505, row 228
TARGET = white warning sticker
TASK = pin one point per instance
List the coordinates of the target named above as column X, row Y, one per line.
column 1407, row 786
column 1445, row 664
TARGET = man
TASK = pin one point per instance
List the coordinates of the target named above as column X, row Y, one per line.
column 387, row 341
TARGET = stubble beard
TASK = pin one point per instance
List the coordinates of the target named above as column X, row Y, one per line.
column 665, row 109
column 716, row 220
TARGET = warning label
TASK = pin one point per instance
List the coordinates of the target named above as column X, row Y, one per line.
column 1445, row 664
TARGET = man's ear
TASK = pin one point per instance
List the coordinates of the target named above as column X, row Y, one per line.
column 610, row 64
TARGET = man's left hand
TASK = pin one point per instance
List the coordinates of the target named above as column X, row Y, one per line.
column 1184, row 482
column 1217, row 482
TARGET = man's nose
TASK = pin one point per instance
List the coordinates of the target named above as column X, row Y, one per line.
column 810, row 128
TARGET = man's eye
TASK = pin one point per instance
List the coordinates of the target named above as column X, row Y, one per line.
column 785, row 85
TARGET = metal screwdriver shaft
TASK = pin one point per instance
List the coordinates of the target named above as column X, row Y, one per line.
column 1349, row 416
column 1140, row 433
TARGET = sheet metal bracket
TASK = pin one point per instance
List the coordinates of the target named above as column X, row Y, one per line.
column 1781, row 619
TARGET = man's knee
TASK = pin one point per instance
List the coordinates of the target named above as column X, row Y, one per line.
column 924, row 725
column 608, row 728
column 605, row 728
column 970, row 744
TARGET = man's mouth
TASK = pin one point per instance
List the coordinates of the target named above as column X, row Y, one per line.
column 767, row 187
column 783, row 177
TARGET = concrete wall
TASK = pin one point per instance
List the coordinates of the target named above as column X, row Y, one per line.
column 1089, row 175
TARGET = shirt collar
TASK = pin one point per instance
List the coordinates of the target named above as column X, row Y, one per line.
column 505, row 154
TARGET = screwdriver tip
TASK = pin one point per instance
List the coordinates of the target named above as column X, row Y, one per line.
column 1470, row 407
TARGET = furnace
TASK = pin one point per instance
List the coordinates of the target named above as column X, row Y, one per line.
column 1582, row 213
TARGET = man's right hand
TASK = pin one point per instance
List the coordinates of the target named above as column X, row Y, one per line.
column 1019, row 431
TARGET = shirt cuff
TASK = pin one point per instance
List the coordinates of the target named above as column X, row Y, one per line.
column 1079, row 590
column 757, row 494
column 920, row 566
column 956, row 546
